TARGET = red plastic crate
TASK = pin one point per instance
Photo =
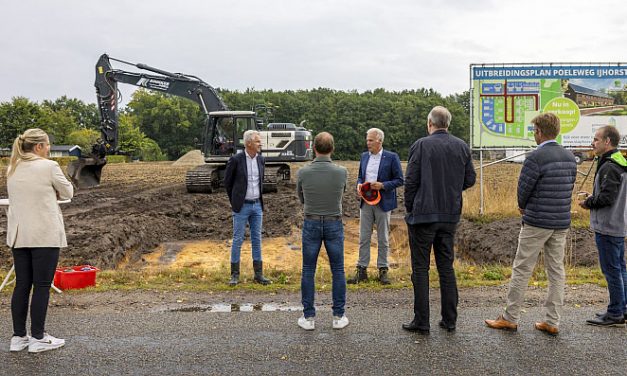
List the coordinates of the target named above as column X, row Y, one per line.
column 75, row 277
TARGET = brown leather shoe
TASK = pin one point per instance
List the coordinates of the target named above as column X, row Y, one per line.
column 501, row 323
column 548, row 329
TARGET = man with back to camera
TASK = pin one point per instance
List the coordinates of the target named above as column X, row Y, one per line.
column 382, row 169
column 545, row 191
column 320, row 187
column 608, row 220
column 439, row 169
column 243, row 181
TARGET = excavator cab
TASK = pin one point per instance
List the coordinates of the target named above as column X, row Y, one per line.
column 225, row 140
column 225, row 133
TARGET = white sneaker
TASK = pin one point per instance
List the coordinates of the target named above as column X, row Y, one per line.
column 19, row 343
column 307, row 323
column 340, row 322
column 47, row 343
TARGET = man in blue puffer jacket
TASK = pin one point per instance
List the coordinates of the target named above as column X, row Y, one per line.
column 544, row 197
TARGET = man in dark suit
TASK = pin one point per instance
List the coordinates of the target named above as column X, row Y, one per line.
column 438, row 170
column 382, row 169
column 243, row 180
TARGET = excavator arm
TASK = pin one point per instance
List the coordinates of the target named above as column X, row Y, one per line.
column 86, row 171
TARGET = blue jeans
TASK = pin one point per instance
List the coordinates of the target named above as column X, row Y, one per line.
column 612, row 261
column 332, row 234
column 253, row 215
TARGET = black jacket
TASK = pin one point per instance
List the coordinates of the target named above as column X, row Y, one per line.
column 545, row 187
column 609, row 184
column 439, row 169
column 608, row 204
column 236, row 179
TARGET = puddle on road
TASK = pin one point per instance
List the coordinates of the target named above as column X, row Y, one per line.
column 235, row 307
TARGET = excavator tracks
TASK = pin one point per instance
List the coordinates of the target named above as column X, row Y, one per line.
column 208, row 178
column 204, row 179
column 274, row 174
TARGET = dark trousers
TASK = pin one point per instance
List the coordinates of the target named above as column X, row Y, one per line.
column 34, row 268
column 441, row 236
column 612, row 261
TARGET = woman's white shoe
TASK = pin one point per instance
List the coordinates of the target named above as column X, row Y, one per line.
column 47, row 343
column 19, row 343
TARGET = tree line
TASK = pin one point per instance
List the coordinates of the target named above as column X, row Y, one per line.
column 154, row 126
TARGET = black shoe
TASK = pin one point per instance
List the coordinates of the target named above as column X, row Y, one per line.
column 449, row 328
column 361, row 275
column 607, row 321
column 413, row 327
column 601, row 314
column 383, row 276
column 234, row 274
column 258, row 269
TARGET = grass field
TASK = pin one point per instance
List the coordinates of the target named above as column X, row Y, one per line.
column 499, row 190
column 198, row 279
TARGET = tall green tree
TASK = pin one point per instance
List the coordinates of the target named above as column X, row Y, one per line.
column 135, row 142
column 172, row 122
column 86, row 114
column 84, row 138
column 58, row 124
column 16, row 117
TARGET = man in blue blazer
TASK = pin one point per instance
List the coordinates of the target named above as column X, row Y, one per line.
column 243, row 180
column 382, row 169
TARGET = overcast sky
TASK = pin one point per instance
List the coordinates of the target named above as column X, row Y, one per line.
column 49, row 48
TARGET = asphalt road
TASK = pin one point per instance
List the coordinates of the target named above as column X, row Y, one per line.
column 153, row 340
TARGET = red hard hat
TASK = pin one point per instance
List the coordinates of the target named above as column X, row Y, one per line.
column 370, row 196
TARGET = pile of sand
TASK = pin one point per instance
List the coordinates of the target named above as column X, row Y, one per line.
column 191, row 158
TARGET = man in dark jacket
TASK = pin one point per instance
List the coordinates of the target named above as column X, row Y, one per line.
column 544, row 196
column 243, row 180
column 608, row 220
column 439, row 169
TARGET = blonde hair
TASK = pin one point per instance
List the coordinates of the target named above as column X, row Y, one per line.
column 24, row 146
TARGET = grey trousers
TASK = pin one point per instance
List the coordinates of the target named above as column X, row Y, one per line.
column 530, row 242
column 369, row 216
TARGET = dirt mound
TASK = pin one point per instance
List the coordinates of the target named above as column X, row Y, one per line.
column 191, row 158
column 141, row 205
column 496, row 243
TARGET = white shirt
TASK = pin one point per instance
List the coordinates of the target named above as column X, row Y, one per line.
column 372, row 170
column 252, row 169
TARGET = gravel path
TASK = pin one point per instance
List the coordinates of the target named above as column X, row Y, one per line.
column 147, row 333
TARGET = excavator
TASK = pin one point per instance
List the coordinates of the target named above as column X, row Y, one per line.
column 222, row 137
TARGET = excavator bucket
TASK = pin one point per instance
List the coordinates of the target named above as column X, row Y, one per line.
column 85, row 172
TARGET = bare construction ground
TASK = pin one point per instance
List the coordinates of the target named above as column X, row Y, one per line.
column 142, row 211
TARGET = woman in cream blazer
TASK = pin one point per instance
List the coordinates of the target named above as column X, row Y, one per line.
column 35, row 234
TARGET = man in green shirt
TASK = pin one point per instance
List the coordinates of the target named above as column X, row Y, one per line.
column 320, row 187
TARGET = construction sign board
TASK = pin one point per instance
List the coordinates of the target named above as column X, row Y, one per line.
column 585, row 97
